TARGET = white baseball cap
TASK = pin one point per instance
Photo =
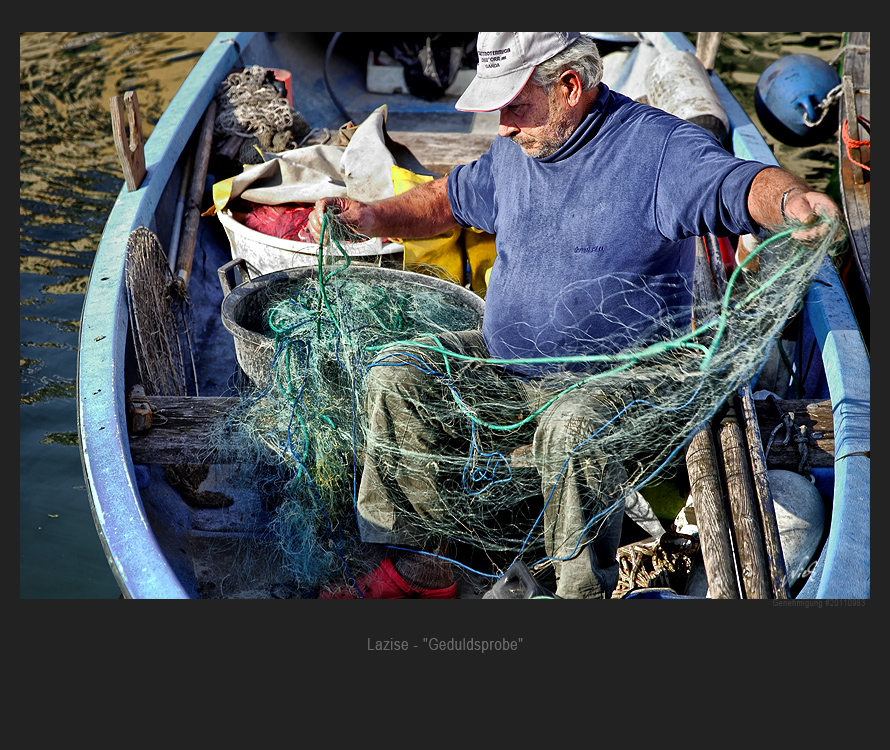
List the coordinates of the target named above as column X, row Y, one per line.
column 506, row 62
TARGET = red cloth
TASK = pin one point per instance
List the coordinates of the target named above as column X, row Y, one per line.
column 385, row 582
column 287, row 220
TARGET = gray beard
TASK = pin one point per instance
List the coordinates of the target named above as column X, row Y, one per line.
column 562, row 131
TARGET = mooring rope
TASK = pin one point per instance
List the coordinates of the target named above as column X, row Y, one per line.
column 851, row 143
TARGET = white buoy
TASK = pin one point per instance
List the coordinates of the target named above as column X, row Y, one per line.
column 800, row 514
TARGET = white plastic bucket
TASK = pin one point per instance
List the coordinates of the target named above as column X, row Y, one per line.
column 264, row 253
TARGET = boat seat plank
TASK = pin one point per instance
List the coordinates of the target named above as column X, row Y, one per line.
column 442, row 152
column 182, row 427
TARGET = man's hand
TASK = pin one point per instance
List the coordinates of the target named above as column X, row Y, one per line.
column 422, row 211
column 777, row 197
column 347, row 213
column 808, row 207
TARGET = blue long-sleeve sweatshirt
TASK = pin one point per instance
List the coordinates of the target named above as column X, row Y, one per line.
column 595, row 243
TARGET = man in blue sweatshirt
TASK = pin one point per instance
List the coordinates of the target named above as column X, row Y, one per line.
column 595, row 201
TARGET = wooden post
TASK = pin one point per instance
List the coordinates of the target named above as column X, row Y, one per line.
column 702, row 464
column 852, row 128
column 184, row 184
column 706, row 45
column 132, row 154
column 710, row 515
column 778, row 573
column 193, row 206
column 742, row 504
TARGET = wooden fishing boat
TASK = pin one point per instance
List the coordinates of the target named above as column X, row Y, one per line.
column 854, row 153
column 185, row 539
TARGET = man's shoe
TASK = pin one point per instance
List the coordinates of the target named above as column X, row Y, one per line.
column 385, row 582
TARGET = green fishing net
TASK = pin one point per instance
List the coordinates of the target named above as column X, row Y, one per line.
column 307, row 419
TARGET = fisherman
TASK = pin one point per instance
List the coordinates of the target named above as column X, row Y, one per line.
column 584, row 183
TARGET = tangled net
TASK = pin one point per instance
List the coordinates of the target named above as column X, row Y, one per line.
column 249, row 105
column 336, row 325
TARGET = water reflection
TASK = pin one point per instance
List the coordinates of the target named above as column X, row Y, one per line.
column 69, row 169
column 69, row 178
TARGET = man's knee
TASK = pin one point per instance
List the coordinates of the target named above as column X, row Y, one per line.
column 570, row 424
column 399, row 369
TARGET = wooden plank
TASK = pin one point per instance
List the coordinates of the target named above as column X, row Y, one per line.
column 442, row 152
column 707, row 43
column 850, row 116
column 181, row 429
column 710, row 515
column 186, row 249
column 778, row 572
column 756, row 529
column 182, row 424
column 702, row 463
column 855, row 181
column 812, row 427
column 746, row 522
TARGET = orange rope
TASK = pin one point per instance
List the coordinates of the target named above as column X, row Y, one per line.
column 850, row 143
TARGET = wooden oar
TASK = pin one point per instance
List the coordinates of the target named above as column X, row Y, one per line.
column 196, row 193
column 775, row 560
column 754, row 529
column 703, row 465
column 778, row 572
column 710, row 515
column 743, row 508
column 184, row 183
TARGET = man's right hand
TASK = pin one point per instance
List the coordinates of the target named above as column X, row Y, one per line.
column 348, row 213
column 422, row 211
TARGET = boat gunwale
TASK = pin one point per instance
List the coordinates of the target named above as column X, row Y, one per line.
column 856, row 195
column 138, row 563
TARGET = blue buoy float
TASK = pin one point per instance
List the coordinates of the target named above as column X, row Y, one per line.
column 790, row 93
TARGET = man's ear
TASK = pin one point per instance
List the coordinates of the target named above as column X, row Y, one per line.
column 571, row 87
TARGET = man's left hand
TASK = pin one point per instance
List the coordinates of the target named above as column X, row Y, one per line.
column 808, row 207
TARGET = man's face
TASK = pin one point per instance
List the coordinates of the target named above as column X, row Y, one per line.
column 538, row 123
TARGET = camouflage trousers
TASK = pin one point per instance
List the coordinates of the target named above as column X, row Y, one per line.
column 413, row 424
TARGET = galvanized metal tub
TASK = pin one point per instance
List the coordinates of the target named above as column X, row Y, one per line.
column 245, row 305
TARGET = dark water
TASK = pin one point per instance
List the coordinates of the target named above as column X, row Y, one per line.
column 69, row 179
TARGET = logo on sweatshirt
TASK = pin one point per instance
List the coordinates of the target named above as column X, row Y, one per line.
column 590, row 249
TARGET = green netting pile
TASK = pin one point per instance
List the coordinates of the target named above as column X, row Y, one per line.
column 331, row 328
